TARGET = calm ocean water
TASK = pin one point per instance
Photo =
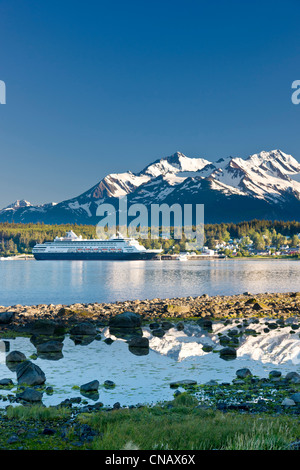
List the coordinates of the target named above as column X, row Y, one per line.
column 32, row 282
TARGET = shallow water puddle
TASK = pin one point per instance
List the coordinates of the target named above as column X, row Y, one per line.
column 146, row 379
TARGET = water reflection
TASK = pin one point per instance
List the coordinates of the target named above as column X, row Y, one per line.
column 132, row 375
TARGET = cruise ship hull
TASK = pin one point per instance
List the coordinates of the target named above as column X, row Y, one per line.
column 95, row 256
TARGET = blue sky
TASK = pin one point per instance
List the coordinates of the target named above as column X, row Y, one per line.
column 96, row 87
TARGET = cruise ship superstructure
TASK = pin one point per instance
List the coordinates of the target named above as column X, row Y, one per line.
column 73, row 247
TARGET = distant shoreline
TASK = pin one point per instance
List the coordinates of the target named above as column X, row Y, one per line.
column 27, row 257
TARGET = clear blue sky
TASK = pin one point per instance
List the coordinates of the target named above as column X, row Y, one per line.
column 95, row 87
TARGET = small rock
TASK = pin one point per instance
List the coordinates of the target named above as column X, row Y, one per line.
column 90, row 386
column 6, row 317
column 109, row 384
column 48, row 431
column 228, row 353
column 181, row 383
column 274, row 374
column 31, row 395
column 288, row 402
column 159, row 332
column 139, row 342
column 6, row 382
column 243, row 373
column 12, row 439
column 296, row 397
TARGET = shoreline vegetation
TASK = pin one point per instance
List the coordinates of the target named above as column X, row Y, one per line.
column 257, row 238
column 265, row 417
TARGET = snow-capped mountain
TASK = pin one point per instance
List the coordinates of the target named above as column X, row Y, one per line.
column 16, row 205
column 263, row 186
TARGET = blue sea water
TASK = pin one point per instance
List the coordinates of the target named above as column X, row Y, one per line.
column 65, row 282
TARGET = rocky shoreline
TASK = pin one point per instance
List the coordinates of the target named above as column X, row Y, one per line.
column 46, row 326
column 247, row 305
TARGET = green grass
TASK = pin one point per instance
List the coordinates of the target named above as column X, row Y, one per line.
column 186, row 427
column 177, row 425
column 37, row 413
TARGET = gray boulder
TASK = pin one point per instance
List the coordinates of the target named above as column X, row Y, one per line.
column 228, row 353
column 296, row 397
column 84, row 329
column 293, row 377
column 49, row 347
column 30, row 395
column 6, row 317
column 42, row 327
column 126, row 320
column 288, row 402
column 30, row 374
column 274, row 375
column 243, row 373
column 6, row 383
column 15, row 356
column 159, row 332
column 181, row 383
column 139, row 342
column 90, row 386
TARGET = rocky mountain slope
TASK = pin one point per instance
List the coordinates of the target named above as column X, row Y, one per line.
column 263, row 186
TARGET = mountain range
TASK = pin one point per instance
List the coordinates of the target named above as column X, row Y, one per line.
column 265, row 185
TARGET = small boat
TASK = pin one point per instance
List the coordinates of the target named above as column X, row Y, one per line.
column 182, row 257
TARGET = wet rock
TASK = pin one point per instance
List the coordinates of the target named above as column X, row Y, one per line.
column 50, row 347
column 90, row 386
column 205, row 324
column 243, row 373
column 30, row 395
column 180, row 326
column 42, row 327
column 6, row 383
column 6, row 317
column 83, row 329
column 159, row 332
column 108, row 341
column 224, row 340
column 15, row 356
column 293, row 377
column 109, row 384
column 296, row 397
column 30, row 374
column 48, row 431
column 288, row 402
column 126, row 320
column 228, row 353
column 126, row 333
column 181, row 383
column 166, row 325
column 274, row 375
column 154, row 325
column 13, row 439
column 139, row 342
column 139, row 346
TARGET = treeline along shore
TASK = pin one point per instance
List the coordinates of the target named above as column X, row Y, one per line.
column 18, row 238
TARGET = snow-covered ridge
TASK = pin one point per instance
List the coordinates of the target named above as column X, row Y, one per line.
column 269, row 177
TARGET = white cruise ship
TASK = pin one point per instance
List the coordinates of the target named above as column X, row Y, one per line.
column 73, row 247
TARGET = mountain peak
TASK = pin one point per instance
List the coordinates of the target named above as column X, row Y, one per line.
column 19, row 203
column 267, row 182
